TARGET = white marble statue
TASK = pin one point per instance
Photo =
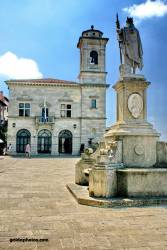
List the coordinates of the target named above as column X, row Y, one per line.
column 130, row 45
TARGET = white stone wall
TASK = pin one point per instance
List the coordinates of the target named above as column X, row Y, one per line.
column 35, row 95
column 88, row 94
column 83, row 116
column 93, row 119
column 88, row 125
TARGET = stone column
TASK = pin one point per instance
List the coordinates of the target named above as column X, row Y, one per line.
column 54, row 145
column 103, row 180
column 34, row 142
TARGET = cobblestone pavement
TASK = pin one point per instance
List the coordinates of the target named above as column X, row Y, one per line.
column 35, row 203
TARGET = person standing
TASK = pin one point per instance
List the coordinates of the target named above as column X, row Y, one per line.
column 28, row 150
column 9, row 149
column 4, row 150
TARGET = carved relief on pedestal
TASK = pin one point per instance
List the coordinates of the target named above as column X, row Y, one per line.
column 139, row 149
column 135, row 104
column 110, row 152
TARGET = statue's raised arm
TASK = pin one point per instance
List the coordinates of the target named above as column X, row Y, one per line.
column 130, row 46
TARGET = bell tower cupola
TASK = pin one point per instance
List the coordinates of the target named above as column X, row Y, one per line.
column 92, row 47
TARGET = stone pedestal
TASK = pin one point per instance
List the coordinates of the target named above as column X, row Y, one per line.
column 127, row 160
column 139, row 182
column 138, row 137
column 81, row 167
column 103, row 180
column 162, row 154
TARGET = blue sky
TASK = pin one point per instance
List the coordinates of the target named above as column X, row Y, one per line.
column 38, row 38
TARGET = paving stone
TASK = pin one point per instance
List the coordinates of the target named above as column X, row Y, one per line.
column 35, row 203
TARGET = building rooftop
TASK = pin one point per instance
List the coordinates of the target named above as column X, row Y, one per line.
column 51, row 82
column 42, row 81
column 92, row 32
column 3, row 99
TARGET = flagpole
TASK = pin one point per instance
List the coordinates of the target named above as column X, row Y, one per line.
column 45, row 109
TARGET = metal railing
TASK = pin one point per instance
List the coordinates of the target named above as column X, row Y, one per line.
column 45, row 120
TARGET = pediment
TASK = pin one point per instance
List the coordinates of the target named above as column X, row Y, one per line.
column 24, row 98
column 65, row 98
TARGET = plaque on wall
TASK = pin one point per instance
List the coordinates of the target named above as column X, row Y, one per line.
column 135, row 104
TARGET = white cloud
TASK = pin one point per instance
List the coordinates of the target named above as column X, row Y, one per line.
column 149, row 9
column 13, row 67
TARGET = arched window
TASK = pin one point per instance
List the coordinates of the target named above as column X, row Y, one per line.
column 65, row 142
column 93, row 57
column 44, row 141
column 23, row 138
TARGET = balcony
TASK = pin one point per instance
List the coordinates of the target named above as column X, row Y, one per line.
column 40, row 120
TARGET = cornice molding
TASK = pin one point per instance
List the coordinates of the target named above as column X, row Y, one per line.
column 79, row 85
column 58, row 118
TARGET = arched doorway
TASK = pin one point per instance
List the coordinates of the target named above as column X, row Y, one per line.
column 65, row 142
column 23, row 137
column 44, row 142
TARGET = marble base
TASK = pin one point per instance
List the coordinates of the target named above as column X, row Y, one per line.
column 139, row 138
column 103, row 180
column 80, row 177
column 143, row 182
column 81, row 194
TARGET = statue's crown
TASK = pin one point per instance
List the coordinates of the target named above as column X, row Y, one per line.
column 129, row 20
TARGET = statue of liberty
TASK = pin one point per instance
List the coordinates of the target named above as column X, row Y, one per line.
column 130, row 45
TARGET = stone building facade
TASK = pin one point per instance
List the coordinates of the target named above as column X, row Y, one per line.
column 4, row 103
column 57, row 116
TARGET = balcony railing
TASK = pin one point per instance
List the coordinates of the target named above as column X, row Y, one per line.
column 43, row 120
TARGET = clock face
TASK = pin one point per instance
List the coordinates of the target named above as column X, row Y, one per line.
column 135, row 105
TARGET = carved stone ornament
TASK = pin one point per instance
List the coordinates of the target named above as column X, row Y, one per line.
column 135, row 105
column 41, row 105
column 139, row 149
